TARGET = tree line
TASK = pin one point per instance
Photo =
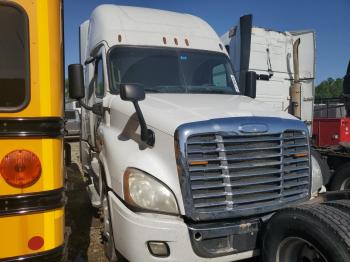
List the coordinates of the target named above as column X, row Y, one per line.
column 330, row 88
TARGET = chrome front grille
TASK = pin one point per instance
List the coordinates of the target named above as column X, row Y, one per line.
column 230, row 174
column 296, row 173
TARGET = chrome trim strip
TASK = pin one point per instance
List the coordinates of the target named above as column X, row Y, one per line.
column 31, row 203
column 50, row 127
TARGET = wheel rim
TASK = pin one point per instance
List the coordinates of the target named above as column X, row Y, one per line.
column 108, row 244
column 346, row 184
column 295, row 249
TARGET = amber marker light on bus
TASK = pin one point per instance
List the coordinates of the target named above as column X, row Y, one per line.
column 20, row 168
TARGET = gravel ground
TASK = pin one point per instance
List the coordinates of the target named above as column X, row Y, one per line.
column 82, row 220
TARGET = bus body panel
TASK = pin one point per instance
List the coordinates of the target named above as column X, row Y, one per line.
column 36, row 210
column 18, row 230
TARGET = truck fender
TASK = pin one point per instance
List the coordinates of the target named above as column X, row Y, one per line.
column 104, row 170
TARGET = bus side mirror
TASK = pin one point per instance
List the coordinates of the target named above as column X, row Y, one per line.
column 250, row 84
column 76, row 81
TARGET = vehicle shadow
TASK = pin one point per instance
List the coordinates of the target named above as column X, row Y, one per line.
column 79, row 215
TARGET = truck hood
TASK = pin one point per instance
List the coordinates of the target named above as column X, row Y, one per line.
column 166, row 112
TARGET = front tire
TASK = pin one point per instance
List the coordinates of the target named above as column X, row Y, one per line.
column 308, row 233
column 107, row 233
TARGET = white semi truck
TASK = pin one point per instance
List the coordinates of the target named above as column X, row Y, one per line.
column 285, row 65
column 183, row 166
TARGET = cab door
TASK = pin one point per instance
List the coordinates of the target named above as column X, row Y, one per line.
column 95, row 83
column 98, row 93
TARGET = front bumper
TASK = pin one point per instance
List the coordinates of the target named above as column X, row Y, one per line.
column 132, row 231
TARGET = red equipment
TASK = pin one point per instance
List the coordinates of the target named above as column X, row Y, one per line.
column 331, row 132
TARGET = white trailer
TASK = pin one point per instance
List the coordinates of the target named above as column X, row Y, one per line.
column 183, row 166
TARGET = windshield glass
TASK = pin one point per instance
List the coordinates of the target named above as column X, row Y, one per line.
column 170, row 70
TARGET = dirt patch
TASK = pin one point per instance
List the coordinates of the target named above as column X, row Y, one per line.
column 82, row 220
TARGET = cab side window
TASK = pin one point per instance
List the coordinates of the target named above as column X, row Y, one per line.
column 99, row 79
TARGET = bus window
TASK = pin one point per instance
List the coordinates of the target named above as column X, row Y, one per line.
column 14, row 58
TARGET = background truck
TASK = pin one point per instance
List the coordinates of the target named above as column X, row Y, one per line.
column 183, row 166
column 331, row 135
column 285, row 66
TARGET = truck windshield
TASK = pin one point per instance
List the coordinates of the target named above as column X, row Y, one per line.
column 170, row 70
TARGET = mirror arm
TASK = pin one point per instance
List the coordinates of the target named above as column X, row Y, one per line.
column 85, row 105
column 147, row 135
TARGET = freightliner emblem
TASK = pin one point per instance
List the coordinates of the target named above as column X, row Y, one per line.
column 253, row 128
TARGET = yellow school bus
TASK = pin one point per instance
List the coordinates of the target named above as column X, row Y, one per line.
column 31, row 128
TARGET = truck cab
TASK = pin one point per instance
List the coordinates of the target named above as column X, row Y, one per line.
column 284, row 62
column 182, row 164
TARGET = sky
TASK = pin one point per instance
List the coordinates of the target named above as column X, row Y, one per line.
column 329, row 18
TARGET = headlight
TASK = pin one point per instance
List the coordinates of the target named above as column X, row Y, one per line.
column 143, row 191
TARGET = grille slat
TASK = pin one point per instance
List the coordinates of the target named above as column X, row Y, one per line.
column 240, row 172
column 236, row 193
column 262, row 172
column 295, row 160
column 242, row 149
column 237, row 184
column 295, row 152
column 294, row 192
column 295, row 176
column 256, row 156
column 295, row 145
column 243, row 165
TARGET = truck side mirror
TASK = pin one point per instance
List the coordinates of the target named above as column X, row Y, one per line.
column 76, row 81
column 132, row 93
column 135, row 93
column 250, row 84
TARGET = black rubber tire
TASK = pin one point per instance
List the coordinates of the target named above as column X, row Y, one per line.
column 325, row 227
column 339, row 176
column 343, row 205
column 326, row 172
column 111, row 257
